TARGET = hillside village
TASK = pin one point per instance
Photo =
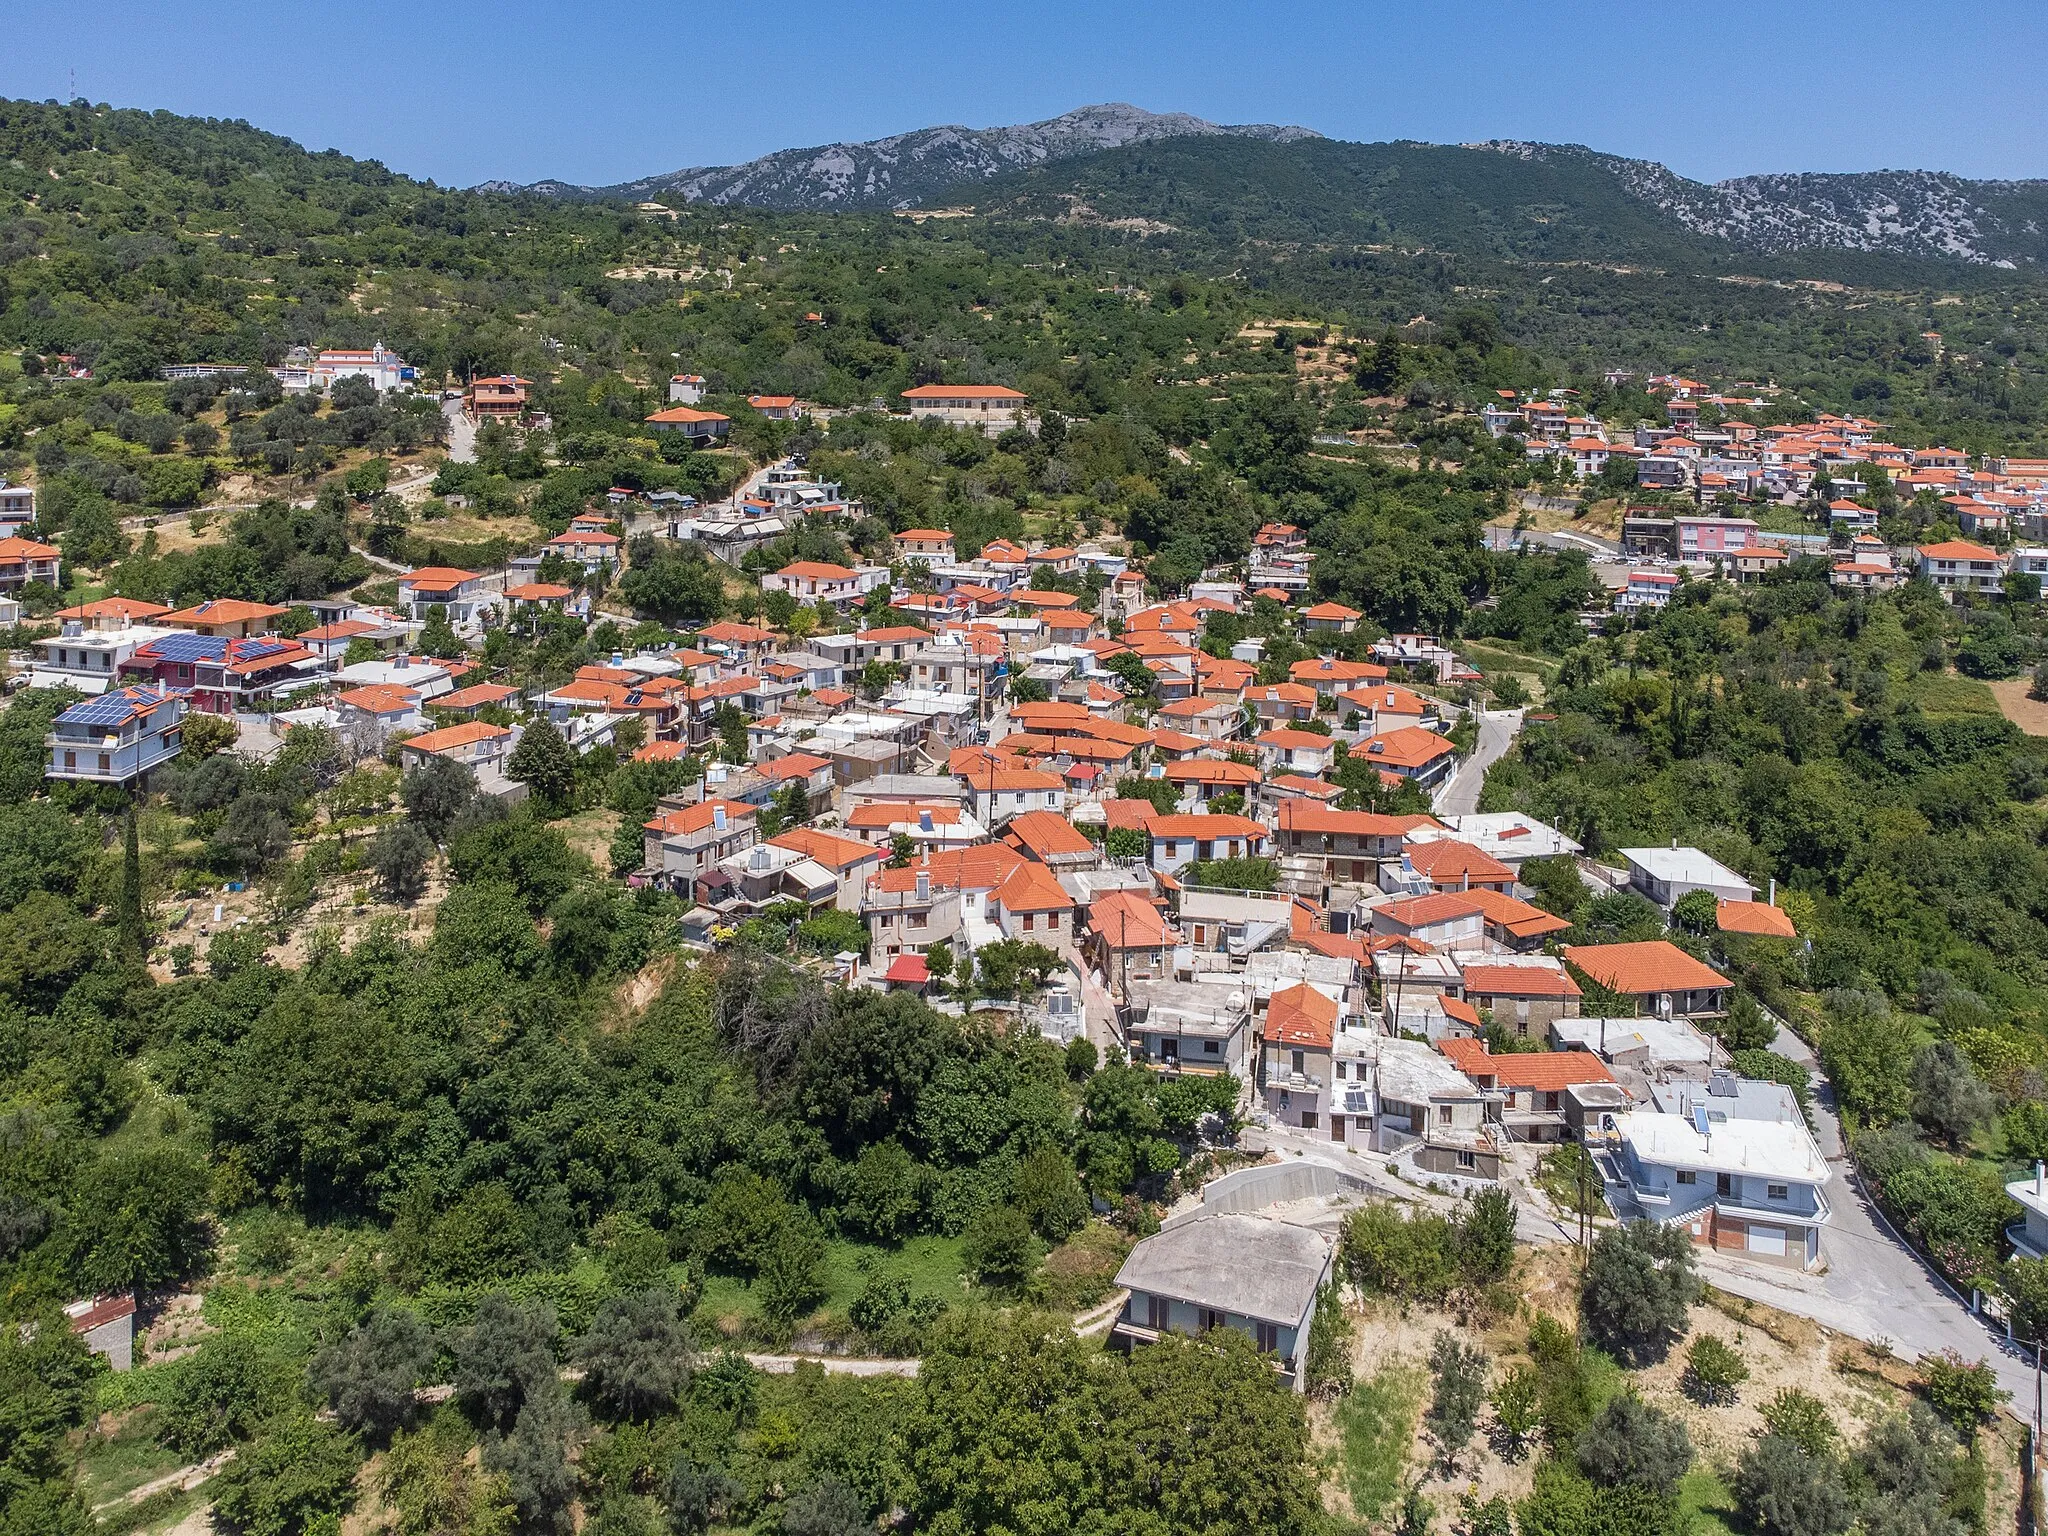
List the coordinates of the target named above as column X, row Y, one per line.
column 1018, row 777
column 624, row 952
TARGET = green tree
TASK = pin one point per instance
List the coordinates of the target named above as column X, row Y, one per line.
column 135, row 1218
column 1697, row 913
column 295, row 1479
column 791, row 1280
column 636, row 1356
column 134, row 937
column 368, row 1376
column 997, row 1247
column 503, row 1358
column 398, row 857
column 1783, row 1490
column 1964, row 1392
column 1713, row 1371
column 1516, row 1401
column 437, row 636
column 1048, row 1193
column 1458, row 1372
column 544, row 764
column 1948, row 1096
column 1630, row 1442
column 1640, row 1284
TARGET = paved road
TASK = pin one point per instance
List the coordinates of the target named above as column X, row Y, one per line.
column 1497, row 731
column 461, row 433
column 1875, row 1288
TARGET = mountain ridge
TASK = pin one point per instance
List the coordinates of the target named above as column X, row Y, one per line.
column 1082, row 154
column 902, row 170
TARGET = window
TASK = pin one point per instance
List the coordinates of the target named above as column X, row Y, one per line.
column 1343, row 1070
column 1468, row 1160
column 1268, row 1337
column 1687, row 1176
column 1295, row 1061
column 1212, row 1048
column 1777, row 1191
column 1443, row 1114
column 1724, row 1184
column 1207, row 1318
column 1156, row 1311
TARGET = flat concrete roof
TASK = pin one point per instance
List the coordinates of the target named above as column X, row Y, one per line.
column 1248, row 1265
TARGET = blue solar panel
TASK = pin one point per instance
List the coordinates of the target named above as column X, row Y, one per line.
column 183, row 647
column 110, row 709
column 256, row 650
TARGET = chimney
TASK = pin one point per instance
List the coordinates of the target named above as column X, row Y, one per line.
column 2040, row 1186
column 718, row 818
column 1773, row 897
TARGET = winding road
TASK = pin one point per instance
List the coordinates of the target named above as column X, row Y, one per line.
column 1497, row 731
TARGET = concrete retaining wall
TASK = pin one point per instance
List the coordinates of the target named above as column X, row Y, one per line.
column 1251, row 1189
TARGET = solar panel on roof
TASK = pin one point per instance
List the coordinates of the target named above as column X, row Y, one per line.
column 109, row 709
column 256, row 650
column 183, row 647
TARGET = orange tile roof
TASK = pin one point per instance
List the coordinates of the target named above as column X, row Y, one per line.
column 695, row 818
column 1335, row 611
column 798, row 765
column 1518, row 981
column 1541, row 1071
column 893, row 634
column 1656, row 965
column 347, row 629
column 816, row 570
column 1126, row 920
column 1046, row 834
column 224, row 610
column 1956, row 549
column 924, row 535
column 1205, row 828
column 963, row 392
column 15, row 547
column 1300, row 1015
column 1519, row 919
column 436, row 577
column 1447, row 860
column 1409, row 747
column 728, row 632
column 877, row 814
column 1753, row 917
column 1212, row 770
column 131, row 609
column 1035, row 599
column 379, row 698
column 1328, row 669
column 1305, row 816
column 1295, row 741
column 662, row 752
column 1031, row 888
column 1130, row 814
column 1421, row 911
column 682, row 415
column 835, row 853
column 1300, row 784
column 980, row 867
column 470, row 731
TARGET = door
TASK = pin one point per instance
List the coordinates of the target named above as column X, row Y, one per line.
column 1336, row 1127
column 1769, row 1241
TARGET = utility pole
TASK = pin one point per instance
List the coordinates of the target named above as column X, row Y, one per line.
column 1582, row 1211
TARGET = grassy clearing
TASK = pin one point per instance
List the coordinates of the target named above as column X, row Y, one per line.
column 1377, row 1422
column 1492, row 660
column 930, row 1265
column 1940, row 693
column 123, row 1461
column 1705, row 1506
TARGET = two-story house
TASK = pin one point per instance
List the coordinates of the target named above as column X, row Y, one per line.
column 117, row 738
column 1283, row 750
column 1223, row 1270
column 1178, row 841
column 683, row 842
column 1350, row 844
column 25, row 560
column 1296, row 1063
column 1752, row 1186
column 814, row 581
column 1957, row 565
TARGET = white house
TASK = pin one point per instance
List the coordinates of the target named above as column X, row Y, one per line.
column 384, row 368
column 1647, row 589
column 813, row 581
column 1750, row 1186
column 116, row 738
column 1668, row 875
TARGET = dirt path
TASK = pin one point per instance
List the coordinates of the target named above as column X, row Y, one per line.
column 2030, row 715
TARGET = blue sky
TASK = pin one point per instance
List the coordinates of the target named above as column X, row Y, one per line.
column 603, row 90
